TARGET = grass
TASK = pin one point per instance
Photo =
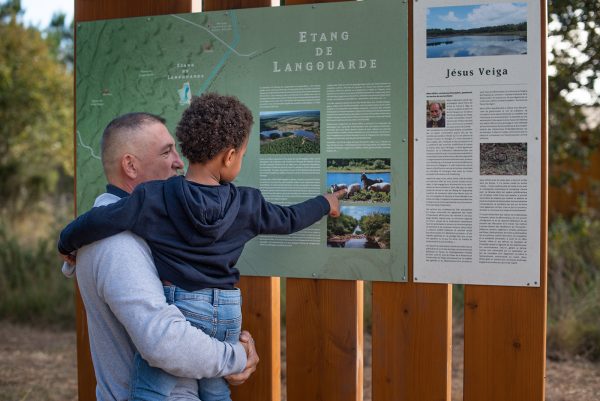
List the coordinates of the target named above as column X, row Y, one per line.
column 574, row 286
column 32, row 288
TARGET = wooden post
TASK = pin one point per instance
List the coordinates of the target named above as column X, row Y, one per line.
column 505, row 327
column 412, row 323
column 261, row 297
column 324, row 333
column 324, row 340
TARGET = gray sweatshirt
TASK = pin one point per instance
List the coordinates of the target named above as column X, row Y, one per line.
column 127, row 310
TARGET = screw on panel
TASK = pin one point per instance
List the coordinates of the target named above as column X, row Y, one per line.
column 416, row 278
column 527, row 284
column 535, row 282
column 403, row 139
column 314, row 274
column 416, row 139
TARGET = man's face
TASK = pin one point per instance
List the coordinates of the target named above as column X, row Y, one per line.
column 435, row 111
column 157, row 156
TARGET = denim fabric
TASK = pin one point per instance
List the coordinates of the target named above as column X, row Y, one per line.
column 216, row 312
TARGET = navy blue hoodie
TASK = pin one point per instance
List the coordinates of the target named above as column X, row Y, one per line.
column 196, row 232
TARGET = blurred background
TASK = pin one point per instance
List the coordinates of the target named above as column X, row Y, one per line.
column 36, row 192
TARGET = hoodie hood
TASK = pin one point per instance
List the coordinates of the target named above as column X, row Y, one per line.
column 200, row 213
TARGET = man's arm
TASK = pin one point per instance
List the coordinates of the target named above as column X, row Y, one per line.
column 129, row 284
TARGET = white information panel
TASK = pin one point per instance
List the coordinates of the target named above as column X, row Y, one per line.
column 477, row 150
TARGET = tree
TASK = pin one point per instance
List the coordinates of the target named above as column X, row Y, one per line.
column 36, row 111
column 574, row 66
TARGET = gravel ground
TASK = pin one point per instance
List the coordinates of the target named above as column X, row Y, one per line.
column 41, row 365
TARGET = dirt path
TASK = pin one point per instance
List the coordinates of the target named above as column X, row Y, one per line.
column 37, row 364
column 41, row 365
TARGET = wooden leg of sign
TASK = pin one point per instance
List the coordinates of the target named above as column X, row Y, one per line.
column 505, row 341
column 324, row 321
column 261, row 317
column 412, row 355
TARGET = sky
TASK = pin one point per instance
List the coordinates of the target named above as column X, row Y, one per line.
column 39, row 12
column 476, row 16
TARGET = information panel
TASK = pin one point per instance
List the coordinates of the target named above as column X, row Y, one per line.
column 477, row 149
column 327, row 85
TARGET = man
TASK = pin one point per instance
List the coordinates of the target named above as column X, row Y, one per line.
column 436, row 116
column 124, row 299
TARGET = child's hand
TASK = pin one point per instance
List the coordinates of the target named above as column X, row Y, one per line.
column 70, row 258
column 334, row 204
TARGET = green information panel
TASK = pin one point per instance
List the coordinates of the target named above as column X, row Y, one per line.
column 327, row 85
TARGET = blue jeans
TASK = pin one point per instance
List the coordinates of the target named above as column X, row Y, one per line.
column 216, row 312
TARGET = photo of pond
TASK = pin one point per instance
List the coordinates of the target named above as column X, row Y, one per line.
column 365, row 227
column 290, row 132
column 477, row 30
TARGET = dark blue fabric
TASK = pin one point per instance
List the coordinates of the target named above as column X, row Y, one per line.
column 112, row 189
column 196, row 232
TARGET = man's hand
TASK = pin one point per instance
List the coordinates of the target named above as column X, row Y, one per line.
column 248, row 344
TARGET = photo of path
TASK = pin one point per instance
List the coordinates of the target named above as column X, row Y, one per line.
column 360, row 227
column 477, row 30
column 363, row 180
column 290, row 132
column 503, row 159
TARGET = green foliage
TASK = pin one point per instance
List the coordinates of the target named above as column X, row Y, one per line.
column 574, row 286
column 290, row 145
column 372, row 224
column 343, row 225
column 575, row 65
column 33, row 289
column 358, row 164
column 36, row 110
column 370, row 196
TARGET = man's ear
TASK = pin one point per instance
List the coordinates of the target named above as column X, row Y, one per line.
column 129, row 166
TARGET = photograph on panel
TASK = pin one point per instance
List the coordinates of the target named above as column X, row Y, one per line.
column 362, row 180
column 436, row 114
column 497, row 29
column 290, row 132
column 363, row 227
column 503, row 158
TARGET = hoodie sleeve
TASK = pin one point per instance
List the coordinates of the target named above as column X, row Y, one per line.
column 276, row 219
column 102, row 222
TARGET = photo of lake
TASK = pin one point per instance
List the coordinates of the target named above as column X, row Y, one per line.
column 289, row 132
column 478, row 30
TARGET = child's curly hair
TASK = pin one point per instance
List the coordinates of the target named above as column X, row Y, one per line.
column 211, row 124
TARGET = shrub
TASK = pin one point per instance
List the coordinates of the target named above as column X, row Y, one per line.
column 574, row 286
column 33, row 289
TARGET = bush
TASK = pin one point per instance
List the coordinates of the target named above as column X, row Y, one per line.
column 33, row 289
column 574, row 286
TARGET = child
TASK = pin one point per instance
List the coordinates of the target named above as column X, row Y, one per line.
column 197, row 227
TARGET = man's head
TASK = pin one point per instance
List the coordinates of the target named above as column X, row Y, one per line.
column 435, row 111
column 136, row 148
column 211, row 125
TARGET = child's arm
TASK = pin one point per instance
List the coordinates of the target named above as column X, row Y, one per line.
column 276, row 219
column 101, row 222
